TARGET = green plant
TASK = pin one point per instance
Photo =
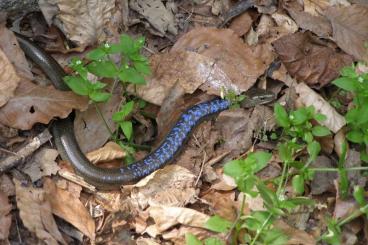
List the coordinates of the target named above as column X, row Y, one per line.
column 131, row 68
column 356, row 117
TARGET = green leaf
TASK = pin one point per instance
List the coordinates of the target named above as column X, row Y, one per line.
column 299, row 116
column 98, row 85
column 96, row 54
column 191, row 239
column 355, row 136
column 234, row 168
column 262, row 158
column 359, row 195
column 218, row 224
column 281, row 116
column 274, row 237
column 313, row 149
column 320, row 131
column 124, row 112
column 103, row 68
column 98, row 96
column 269, row 197
column 352, row 115
column 343, row 183
column 126, row 44
column 77, row 65
column 256, row 219
column 333, row 235
column 213, row 241
column 298, row 184
column 308, row 137
column 142, row 67
column 346, row 83
column 320, row 117
column 127, row 128
column 78, row 85
column 129, row 74
column 348, row 71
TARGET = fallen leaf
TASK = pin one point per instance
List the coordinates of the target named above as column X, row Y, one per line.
column 69, row 208
column 309, row 97
column 33, row 104
column 188, row 70
column 6, row 185
column 355, row 177
column 146, row 241
column 316, row 7
column 42, row 164
column 241, row 63
column 297, row 237
column 74, row 19
column 317, row 24
column 5, row 217
column 8, row 79
column 108, row 152
column 241, row 24
column 35, row 212
column 322, row 181
column 222, row 204
column 170, row 186
column 9, row 45
column 344, row 208
column 177, row 235
column 89, row 125
column 161, row 18
column 226, row 183
column 350, row 29
column 285, row 21
column 166, row 217
column 308, row 59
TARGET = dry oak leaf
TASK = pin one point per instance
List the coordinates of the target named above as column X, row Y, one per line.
column 241, row 24
column 241, row 63
column 5, row 217
column 108, row 152
column 42, row 164
column 83, row 22
column 65, row 205
column 308, row 59
column 350, row 29
column 89, row 125
column 35, row 212
column 33, row 104
column 188, row 70
column 166, row 217
column 316, row 24
column 170, row 186
column 309, row 97
column 8, row 79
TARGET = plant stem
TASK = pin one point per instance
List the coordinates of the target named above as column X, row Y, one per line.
column 261, row 229
column 284, row 168
column 336, row 169
column 103, row 119
column 237, row 218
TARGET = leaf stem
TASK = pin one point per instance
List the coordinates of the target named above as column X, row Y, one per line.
column 261, row 229
column 336, row 169
column 104, row 120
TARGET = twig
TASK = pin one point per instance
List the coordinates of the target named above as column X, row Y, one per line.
column 76, row 179
column 26, row 151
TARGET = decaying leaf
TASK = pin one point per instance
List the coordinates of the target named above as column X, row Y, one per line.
column 89, row 125
column 308, row 59
column 108, row 152
column 68, row 207
column 33, row 104
column 223, row 204
column 241, row 63
column 170, row 186
column 187, row 69
column 322, row 181
column 296, row 237
column 177, row 235
column 241, row 24
column 83, row 22
column 156, row 14
column 36, row 213
column 8, row 79
column 285, row 21
column 10, row 47
column 350, row 29
column 166, row 217
column 355, row 177
column 309, row 97
column 314, row 23
column 42, row 164
column 5, row 217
